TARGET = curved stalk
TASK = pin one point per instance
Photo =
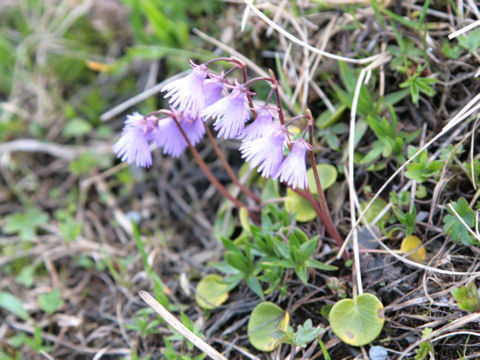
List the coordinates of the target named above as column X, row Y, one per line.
column 252, row 212
column 228, row 169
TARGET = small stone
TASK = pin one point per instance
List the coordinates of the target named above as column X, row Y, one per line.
column 378, row 353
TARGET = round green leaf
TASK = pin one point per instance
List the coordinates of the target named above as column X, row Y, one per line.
column 294, row 203
column 357, row 322
column 327, row 174
column 265, row 320
column 211, row 292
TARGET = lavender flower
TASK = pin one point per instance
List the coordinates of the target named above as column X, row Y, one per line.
column 260, row 127
column 293, row 170
column 133, row 146
column 265, row 152
column 186, row 94
column 169, row 137
column 212, row 90
column 231, row 113
column 194, row 127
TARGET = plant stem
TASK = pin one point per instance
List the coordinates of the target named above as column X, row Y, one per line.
column 249, row 97
column 307, row 195
column 227, row 167
column 253, row 214
column 277, row 96
column 322, row 201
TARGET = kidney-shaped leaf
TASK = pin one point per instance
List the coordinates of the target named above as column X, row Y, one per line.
column 294, row 203
column 211, row 292
column 266, row 319
column 327, row 174
column 357, row 322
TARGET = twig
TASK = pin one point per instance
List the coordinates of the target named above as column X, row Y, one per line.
column 455, row 324
column 178, row 326
column 297, row 41
column 350, row 178
column 140, row 97
column 464, row 113
column 61, row 151
column 464, row 30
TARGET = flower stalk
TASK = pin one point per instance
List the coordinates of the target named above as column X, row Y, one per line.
column 324, row 213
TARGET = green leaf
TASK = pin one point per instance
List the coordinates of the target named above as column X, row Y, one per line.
column 239, row 261
column 452, row 52
column 319, row 265
column 51, row 301
column 327, row 174
column 306, row 333
column 26, row 276
column 307, row 249
column 254, row 284
column 471, row 41
column 467, row 297
column 348, row 76
column 25, row 224
column 373, row 154
column 327, row 118
column 302, row 274
column 357, row 322
column 265, row 320
column 420, row 169
column 76, row 127
column 158, row 285
column 88, row 161
column 455, row 228
column 374, row 210
column 13, row 304
column 296, row 204
column 211, row 292
column 224, row 224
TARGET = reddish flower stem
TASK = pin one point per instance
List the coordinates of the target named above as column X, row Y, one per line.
column 252, row 212
column 274, row 82
column 228, row 169
column 249, row 96
column 324, row 214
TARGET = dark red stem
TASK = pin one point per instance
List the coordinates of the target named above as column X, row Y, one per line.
column 322, row 201
column 228, row 169
column 253, row 214
column 274, row 82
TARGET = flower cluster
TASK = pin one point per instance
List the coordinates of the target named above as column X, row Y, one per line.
column 202, row 95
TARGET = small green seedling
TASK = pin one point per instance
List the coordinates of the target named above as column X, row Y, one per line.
column 426, row 347
column 420, row 169
column 467, row 297
column 26, row 224
column 460, row 230
column 51, row 301
column 304, row 335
